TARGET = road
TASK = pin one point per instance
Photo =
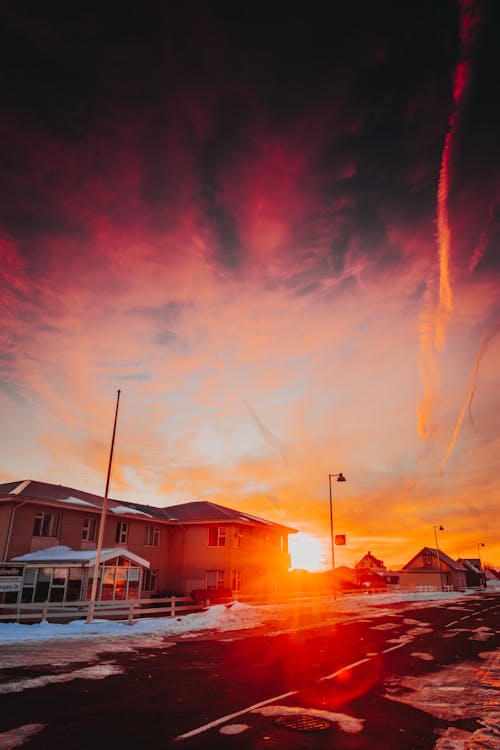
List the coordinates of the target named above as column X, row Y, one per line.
column 354, row 678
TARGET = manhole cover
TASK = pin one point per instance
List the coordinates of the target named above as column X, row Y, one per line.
column 303, row 723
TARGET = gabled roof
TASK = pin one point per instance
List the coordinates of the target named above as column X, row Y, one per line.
column 436, row 554
column 492, row 574
column 190, row 512
column 62, row 555
column 471, row 564
column 378, row 563
column 58, row 493
column 204, row 510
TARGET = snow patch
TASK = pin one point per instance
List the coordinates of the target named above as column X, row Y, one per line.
column 234, row 728
column 423, row 656
column 123, row 509
column 19, row 735
column 97, row 672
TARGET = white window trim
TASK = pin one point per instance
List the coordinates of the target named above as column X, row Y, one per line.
column 220, row 534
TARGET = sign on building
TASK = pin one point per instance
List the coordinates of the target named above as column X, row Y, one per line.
column 340, row 539
column 11, row 577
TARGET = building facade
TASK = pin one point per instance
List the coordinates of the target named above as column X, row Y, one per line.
column 174, row 550
column 432, row 567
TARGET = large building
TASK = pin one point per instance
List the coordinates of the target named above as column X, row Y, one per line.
column 51, row 532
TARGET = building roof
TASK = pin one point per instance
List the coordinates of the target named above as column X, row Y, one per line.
column 62, row 555
column 471, row 563
column 189, row 512
column 203, row 510
column 438, row 555
column 378, row 563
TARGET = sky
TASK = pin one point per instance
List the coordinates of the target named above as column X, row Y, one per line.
column 276, row 232
column 440, row 692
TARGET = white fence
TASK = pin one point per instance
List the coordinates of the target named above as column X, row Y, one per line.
column 113, row 610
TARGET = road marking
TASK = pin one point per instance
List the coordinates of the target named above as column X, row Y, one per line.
column 223, row 719
column 399, row 645
column 344, row 669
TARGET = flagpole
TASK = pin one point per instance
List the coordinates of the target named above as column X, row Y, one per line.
column 103, row 519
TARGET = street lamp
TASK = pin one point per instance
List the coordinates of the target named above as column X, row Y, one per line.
column 439, row 528
column 340, row 478
column 479, row 545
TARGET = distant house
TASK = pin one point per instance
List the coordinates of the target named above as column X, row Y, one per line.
column 370, row 572
column 492, row 575
column 474, row 576
column 431, row 567
column 52, row 531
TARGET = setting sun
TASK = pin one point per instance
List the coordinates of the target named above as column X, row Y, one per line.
column 306, row 552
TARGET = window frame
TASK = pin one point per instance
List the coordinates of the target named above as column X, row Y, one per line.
column 236, row 581
column 219, row 578
column 150, row 580
column 151, row 536
column 89, row 529
column 121, row 535
column 216, row 536
column 47, row 524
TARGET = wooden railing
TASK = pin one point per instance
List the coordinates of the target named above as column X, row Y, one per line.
column 127, row 609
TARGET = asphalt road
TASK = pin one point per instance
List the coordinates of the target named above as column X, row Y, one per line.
column 188, row 692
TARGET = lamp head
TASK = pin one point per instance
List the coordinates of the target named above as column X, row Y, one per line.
column 341, row 478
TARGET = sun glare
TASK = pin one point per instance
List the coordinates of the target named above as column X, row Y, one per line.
column 306, row 552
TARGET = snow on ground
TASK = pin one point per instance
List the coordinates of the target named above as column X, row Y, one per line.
column 19, row 735
column 221, row 617
column 97, row 672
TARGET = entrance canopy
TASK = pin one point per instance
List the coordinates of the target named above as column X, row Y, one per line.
column 61, row 574
column 85, row 558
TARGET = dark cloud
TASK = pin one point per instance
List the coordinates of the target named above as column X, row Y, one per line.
column 122, row 116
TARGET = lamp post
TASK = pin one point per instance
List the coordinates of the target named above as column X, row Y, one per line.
column 482, row 577
column 436, row 529
column 479, row 545
column 340, row 478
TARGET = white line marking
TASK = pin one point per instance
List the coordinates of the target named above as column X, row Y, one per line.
column 344, row 669
column 216, row 723
column 394, row 648
column 450, row 624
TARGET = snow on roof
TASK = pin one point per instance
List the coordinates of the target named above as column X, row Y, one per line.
column 127, row 509
column 76, row 501
column 86, row 557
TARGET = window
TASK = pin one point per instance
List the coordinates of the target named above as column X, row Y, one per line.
column 47, row 524
column 121, row 532
column 236, row 580
column 89, row 529
column 428, row 561
column 215, row 579
column 216, row 536
column 237, row 538
column 152, row 536
column 150, row 580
